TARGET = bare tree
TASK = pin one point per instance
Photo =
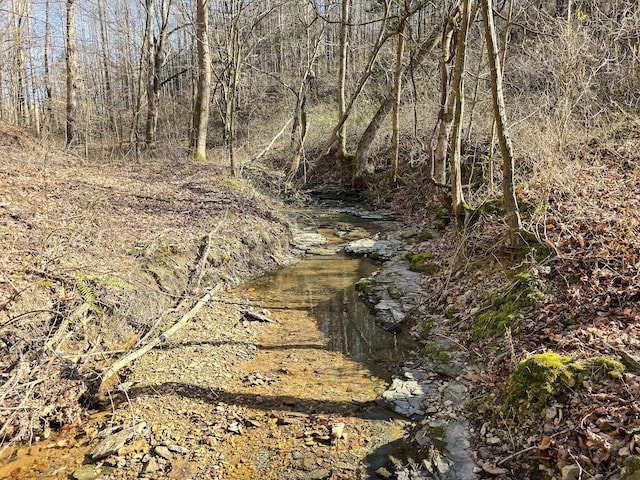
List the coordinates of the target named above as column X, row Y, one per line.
column 397, row 88
column 342, row 79
column 458, row 204
column 72, row 74
column 499, row 112
column 203, row 94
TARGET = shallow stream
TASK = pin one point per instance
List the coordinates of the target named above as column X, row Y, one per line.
column 301, row 406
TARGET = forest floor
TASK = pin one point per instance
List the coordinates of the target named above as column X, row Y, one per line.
column 96, row 255
column 574, row 292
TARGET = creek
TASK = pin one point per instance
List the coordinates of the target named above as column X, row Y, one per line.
column 291, row 399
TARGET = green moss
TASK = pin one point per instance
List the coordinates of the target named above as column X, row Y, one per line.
column 226, row 183
column 502, row 311
column 602, row 368
column 393, row 291
column 493, row 206
column 535, row 251
column 442, row 216
column 426, row 327
column 434, row 351
column 451, row 311
column 632, row 464
column 418, row 262
column 366, row 285
column 538, row 380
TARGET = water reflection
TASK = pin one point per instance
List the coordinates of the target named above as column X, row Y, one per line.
column 325, row 287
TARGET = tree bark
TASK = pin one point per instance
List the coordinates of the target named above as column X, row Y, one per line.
column 440, row 155
column 397, row 91
column 342, row 79
column 499, row 111
column 203, row 93
column 458, row 203
column 48, row 101
column 156, row 54
column 72, row 72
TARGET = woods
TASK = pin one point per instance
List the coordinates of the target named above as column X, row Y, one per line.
column 133, row 73
column 508, row 131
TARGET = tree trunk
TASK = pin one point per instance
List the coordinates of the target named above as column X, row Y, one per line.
column 48, row 101
column 508, row 163
column 363, row 167
column 397, row 90
column 440, row 155
column 342, row 79
column 458, row 203
column 35, row 104
column 156, row 53
column 203, row 93
column 72, row 72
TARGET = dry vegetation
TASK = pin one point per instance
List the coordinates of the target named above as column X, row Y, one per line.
column 584, row 273
column 96, row 256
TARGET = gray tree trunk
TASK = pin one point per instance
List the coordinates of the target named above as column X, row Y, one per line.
column 499, row 111
column 203, row 91
column 72, row 72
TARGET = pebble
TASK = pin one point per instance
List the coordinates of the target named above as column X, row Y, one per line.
column 163, row 451
column 151, row 466
column 318, row 474
column 570, row 472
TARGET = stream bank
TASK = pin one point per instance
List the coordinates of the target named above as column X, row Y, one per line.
column 228, row 398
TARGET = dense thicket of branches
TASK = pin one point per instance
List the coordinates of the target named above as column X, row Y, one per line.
column 273, row 62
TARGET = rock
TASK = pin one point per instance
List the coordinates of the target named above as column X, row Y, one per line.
column 87, row 472
column 114, row 442
column 307, row 462
column 183, row 470
column 384, row 474
column 177, row 449
column 493, row 441
column 493, row 470
column 570, row 472
column 306, row 240
column 337, row 431
column 318, row 474
column 151, row 466
column 163, row 451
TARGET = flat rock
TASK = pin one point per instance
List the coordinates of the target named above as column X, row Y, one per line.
column 92, row 472
column 115, row 441
column 306, row 240
column 318, row 474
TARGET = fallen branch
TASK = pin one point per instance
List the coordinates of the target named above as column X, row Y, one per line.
column 127, row 359
column 255, row 316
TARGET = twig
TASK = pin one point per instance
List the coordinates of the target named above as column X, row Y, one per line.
column 127, row 359
column 525, row 450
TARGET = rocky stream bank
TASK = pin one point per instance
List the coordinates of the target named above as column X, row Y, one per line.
column 292, row 396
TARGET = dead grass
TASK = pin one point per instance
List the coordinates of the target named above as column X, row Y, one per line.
column 93, row 254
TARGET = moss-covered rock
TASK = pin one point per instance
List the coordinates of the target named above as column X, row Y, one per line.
column 418, row 262
column 604, row 368
column 538, row 380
